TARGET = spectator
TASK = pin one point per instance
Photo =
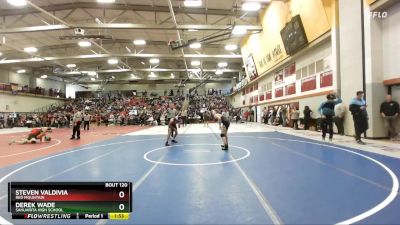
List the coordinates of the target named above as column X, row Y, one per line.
column 184, row 114
column 340, row 112
column 251, row 115
column 327, row 111
column 238, row 115
column 86, row 121
column 1, row 120
column 77, row 120
column 284, row 116
column 295, row 115
column 307, row 117
column 273, row 114
column 358, row 109
column 390, row 112
column 265, row 115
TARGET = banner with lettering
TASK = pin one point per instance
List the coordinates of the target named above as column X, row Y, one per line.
column 309, row 83
column 278, row 92
column 251, row 67
column 326, row 79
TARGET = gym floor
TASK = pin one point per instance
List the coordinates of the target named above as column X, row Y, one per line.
column 266, row 177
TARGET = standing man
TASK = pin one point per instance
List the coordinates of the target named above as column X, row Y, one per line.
column 172, row 130
column 86, row 121
column 170, row 113
column 206, row 117
column 340, row 113
column 327, row 111
column 265, row 115
column 390, row 112
column 184, row 115
column 358, row 109
column 251, row 115
column 273, row 114
column 76, row 121
column 294, row 116
column 224, row 128
column 284, row 116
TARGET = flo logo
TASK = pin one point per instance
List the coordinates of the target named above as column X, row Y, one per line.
column 378, row 15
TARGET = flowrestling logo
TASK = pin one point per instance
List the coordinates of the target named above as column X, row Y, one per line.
column 378, row 15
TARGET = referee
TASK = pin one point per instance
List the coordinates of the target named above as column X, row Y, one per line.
column 76, row 121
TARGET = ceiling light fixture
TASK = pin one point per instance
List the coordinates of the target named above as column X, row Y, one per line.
column 84, row 44
column 17, row 2
column 238, row 30
column 112, row 61
column 219, row 72
column 152, row 75
column 196, row 71
column 71, row 65
column 195, row 63
column 222, row 64
column 139, row 42
column 30, row 49
column 21, row 71
column 192, row 3
column 251, row 6
column 192, row 30
column 154, row 61
column 92, row 73
column 43, row 76
column 231, row 47
column 195, row 45
column 1, row 54
column 105, row 1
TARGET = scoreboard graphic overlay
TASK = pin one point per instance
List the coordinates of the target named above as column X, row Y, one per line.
column 70, row 200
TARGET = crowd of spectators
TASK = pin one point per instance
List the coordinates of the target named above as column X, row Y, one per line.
column 121, row 111
column 201, row 106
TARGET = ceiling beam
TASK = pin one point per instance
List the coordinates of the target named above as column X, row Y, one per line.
column 131, row 26
column 167, row 70
column 93, row 5
column 163, row 80
column 129, row 55
column 121, row 42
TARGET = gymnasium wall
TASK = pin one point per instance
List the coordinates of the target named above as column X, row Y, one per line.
column 312, row 98
column 157, row 88
column 316, row 16
column 19, row 103
column 49, row 83
column 7, row 76
column 390, row 30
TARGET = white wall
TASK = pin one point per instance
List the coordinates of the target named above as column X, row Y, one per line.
column 350, row 54
column 390, row 31
column 71, row 89
column 48, row 83
column 323, row 51
column 19, row 103
column 157, row 88
column 7, row 76
column 375, row 89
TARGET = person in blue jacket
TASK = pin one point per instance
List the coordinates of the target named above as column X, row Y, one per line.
column 327, row 111
column 358, row 109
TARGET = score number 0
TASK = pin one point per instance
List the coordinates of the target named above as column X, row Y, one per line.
column 121, row 195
